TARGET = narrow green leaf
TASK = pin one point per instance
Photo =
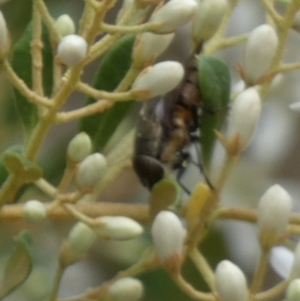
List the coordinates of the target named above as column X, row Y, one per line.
column 164, row 194
column 17, row 164
column 112, row 69
column 18, row 266
column 22, row 65
column 214, row 83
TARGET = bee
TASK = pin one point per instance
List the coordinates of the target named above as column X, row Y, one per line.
column 166, row 128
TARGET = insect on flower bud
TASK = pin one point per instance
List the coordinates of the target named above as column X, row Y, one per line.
column 207, row 19
column 159, row 79
column 126, row 289
column 149, row 46
column 79, row 147
column 80, row 239
column 91, row 170
column 4, row 41
column 174, row 14
column 34, row 211
column 168, row 237
column 260, row 50
column 274, row 211
column 231, row 282
column 65, row 25
column 244, row 116
column 117, row 227
column 72, row 49
column 293, row 291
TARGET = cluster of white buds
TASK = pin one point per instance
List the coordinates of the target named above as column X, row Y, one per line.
column 116, row 227
column 231, row 282
column 174, row 14
column 126, row 289
column 260, row 50
column 158, row 79
column 148, row 46
column 4, row 40
column 65, row 25
column 34, row 211
column 168, row 237
column 274, row 211
column 207, row 19
column 79, row 147
column 80, row 240
column 91, row 170
column 72, row 49
column 244, row 117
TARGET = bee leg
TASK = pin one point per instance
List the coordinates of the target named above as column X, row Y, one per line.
column 195, row 141
column 180, row 173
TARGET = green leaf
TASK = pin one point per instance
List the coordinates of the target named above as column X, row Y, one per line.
column 214, row 83
column 22, row 65
column 164, row 194
column 112, row 69
column 18, row 266
column 15, row 163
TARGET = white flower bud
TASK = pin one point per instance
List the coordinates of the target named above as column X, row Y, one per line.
column 117, row 227
column 281, row 260
column 91, row 170
column 260, row 50
column 168, row 237
column 65, row 25
column 34, row 211
column 244, row 116
column 126, row 289
column 80, row 239
column 231, row 282
column 274, row 211
column 4, row 41
column 149, row 46
column 207, row 18
column 72, row 49
column 174, row 14
column 79, row 147
column 159, row 79
column 293, row 291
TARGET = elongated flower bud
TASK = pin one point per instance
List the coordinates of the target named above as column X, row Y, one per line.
column 80, row 240
column 65, row 25
column 158, row 79
column 282, row 260
column 168, row 236
column 274, row 211
column 79, row 147
column 260, row 50
column 126, row 289
column 34, row 211
column 72, row 50
column 244, row 116
column 207, row 19
column 231, row 282
column 148, row 46
column 117, row 227
column 293, row 291
column 91, row 170
column 174, row 14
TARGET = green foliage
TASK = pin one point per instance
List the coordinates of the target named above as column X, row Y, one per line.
column 214, row 82
column 18, row 266
column 22, row 65
column 17, row 164
column 112, row 70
